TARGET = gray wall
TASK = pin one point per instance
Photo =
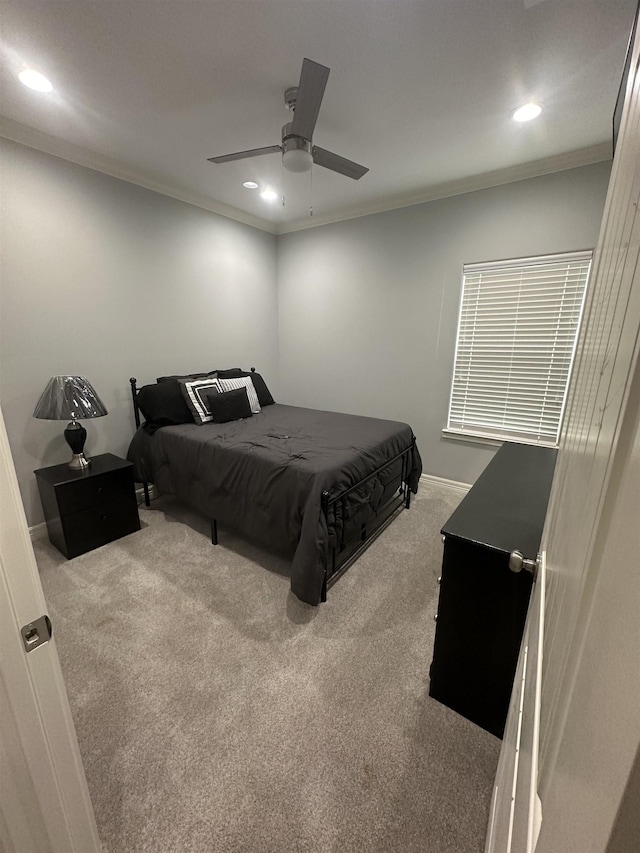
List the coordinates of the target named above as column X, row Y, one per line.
column 368, row 308
column 108, row 280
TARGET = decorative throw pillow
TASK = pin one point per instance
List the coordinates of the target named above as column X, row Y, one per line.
column 194, row 392
column 264, row 395
column 227, row 406
column 186, row 377
column 231, row 371
column 163, row 404
column 241, row 382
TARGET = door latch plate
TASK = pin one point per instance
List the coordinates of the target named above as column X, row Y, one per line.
column 36, row 633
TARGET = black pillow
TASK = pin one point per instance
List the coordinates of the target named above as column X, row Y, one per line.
column 163, row 404
column 228, row 405
column 264, row 395
column 187, row 377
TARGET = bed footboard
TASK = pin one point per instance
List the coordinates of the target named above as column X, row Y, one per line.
column 346, row 551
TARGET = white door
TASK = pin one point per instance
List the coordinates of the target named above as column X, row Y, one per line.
column 606, row 361
column 44, row 801
column 515, row 810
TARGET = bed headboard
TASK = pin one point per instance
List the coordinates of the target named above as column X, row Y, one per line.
column 134, row 396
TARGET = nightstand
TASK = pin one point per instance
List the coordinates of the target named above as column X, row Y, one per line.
column 88, row 508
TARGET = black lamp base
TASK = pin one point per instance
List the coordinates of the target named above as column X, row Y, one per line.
column 76, row 435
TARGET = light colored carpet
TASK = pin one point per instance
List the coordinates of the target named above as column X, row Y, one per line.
column 216, row 712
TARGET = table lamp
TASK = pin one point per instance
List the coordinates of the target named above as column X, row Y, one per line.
column 71, row 398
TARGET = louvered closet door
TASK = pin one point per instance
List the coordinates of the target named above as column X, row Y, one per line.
column 606, row 360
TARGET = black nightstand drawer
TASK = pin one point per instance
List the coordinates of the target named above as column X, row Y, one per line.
column 83, row 494
column 88, row 508
column 94, row 527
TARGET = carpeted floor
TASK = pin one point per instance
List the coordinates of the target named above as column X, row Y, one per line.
column 217, row 713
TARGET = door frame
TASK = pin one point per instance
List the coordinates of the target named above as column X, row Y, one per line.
column 44, row 799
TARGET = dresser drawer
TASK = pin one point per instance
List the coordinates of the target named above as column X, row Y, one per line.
column 94, row 527
column 80, row 495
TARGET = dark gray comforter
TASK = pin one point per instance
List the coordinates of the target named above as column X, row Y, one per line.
column 265, row 475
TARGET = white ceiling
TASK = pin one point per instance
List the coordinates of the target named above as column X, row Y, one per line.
column 420, row 91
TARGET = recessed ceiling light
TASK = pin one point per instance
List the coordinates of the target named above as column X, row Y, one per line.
column 269, row 195
column 35, row 80
column 527, row 112
column 250, row 185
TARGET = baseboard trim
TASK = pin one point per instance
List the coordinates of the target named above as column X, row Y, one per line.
column 37, row 530
column 431, row 479
column 153, row 493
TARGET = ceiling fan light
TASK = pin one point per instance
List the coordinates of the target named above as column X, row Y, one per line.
column 297, row 160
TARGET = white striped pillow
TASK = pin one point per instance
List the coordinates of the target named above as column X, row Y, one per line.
column 242, row 382
column 195, row 399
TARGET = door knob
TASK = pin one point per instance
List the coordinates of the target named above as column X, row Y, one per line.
column 517, row 562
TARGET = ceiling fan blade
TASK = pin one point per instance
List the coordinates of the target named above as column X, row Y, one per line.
column 338, row 164
column 242, row 155
column 313, row 80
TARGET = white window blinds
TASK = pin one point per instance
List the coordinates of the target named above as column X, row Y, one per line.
column 516, row 339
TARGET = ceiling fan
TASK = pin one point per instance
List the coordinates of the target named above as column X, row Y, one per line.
column 298, row 150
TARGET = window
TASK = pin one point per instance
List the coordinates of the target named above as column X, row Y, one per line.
column 516, row 340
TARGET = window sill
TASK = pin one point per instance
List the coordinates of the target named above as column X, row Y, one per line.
column 491, row 440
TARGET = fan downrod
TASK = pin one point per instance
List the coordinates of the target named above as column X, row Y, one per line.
column 290, row 98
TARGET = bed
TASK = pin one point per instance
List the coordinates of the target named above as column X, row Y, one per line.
column 316, row 486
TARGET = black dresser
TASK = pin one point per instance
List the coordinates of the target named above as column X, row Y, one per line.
column 483, row 603
column 90, row 507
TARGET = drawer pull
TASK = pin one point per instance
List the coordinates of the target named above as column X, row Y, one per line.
column 435, row 617
column 440, row 579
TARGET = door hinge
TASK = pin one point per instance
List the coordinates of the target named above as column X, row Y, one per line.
column 517, row 562
column 36, row 633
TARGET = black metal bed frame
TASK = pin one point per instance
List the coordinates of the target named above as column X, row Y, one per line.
column 344, row 553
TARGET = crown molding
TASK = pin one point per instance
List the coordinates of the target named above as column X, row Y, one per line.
column 32, row 138
column 512, row 174
column 41, row 141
